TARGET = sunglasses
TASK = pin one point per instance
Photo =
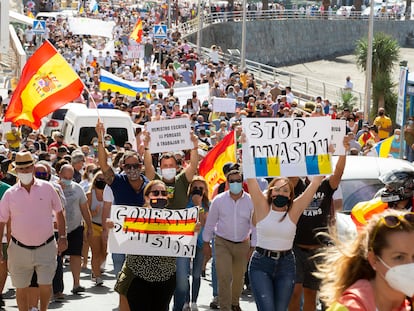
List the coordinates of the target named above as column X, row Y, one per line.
column 198, row 188
column 158, row 192
column 235, row 180
column 392, row 221
column 132, row 166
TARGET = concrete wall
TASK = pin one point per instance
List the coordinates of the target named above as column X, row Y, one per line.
column 283, row 42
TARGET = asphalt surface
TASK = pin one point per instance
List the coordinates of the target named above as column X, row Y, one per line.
column 103, row 298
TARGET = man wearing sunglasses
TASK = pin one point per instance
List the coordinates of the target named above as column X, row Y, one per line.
column 127, row 187
column 229, row 219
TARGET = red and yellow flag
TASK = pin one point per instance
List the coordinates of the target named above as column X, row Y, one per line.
column 30, row 14
column 137, row 32
column 211, row 167
column 47, row 83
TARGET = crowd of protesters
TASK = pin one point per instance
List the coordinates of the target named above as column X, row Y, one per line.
column 82, row 175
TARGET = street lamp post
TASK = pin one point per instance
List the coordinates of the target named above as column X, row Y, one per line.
column 243, row 41
column 368, row 72
column 200, row 27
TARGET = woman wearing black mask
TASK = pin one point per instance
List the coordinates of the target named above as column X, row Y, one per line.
column 272, row 265
column 96, row 242
column 147, row 283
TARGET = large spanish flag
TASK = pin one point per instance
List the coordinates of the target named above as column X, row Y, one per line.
column 47, row 83
column 211, row 167
column 137, row 32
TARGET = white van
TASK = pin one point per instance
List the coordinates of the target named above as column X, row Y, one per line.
column 79, row 126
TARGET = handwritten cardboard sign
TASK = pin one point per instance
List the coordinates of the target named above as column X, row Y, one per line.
column 151, row 231
column 338, row 133
column 170, row 135
column 286, row 147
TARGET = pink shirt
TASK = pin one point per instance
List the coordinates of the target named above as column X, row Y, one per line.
column 31, row 213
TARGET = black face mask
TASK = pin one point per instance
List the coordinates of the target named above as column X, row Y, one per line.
column 280, row 200
column 158, row 203
column 196, row 192
column 381, row 113
column 100, row 184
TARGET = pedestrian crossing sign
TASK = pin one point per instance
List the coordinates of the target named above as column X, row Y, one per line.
column 39, row 26
column 160, row 31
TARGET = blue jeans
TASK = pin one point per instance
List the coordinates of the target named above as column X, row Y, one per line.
column 182, row 289
column 272, row 281
column 118, row 261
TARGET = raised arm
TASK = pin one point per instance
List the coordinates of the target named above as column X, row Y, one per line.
column 109, row 174
column 303, row 201
column 149, row 168
column 191, row 170
column 260, row 204
column 335, row 179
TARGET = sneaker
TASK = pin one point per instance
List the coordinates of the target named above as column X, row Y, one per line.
column 78, row 289
column 215, row 303
column 93, row 278
column 235, row 308
column 98, row 281
column 194, row 306
column 34, row 309
column 2, row 304
column 186, row 307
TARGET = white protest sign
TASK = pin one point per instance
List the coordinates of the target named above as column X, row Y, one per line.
column 184, row 93
column 152, row 231
column 224, row 104
column 170, row 135
column 286, row 147
column 90, row 26
column 338, row 133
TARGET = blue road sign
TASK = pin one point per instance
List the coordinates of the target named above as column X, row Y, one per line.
column 160, row 31
column 39, row 26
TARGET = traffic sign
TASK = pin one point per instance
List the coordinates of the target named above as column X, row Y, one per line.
column 160, row 31
column 39, row 26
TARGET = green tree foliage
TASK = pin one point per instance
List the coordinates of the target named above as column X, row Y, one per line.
column 386, row 54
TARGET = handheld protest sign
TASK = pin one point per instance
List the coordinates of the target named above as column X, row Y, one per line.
column 152, row 231
column 170, row 135
column 286, row 147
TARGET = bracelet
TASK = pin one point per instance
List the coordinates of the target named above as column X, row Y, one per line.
column 100, row 142
column 63, row 237
column 146, row 148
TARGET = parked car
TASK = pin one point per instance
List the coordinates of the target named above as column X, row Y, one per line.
column 360, row 183
column 54, row 121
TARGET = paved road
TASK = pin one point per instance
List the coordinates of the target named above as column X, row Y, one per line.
column 336, row 70
column 103, row 298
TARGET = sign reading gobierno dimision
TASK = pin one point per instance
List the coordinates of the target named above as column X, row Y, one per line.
column 286, row 147
column 152, row 231
column 170, row 135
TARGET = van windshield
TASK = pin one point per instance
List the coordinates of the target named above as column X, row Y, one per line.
column 119, row 135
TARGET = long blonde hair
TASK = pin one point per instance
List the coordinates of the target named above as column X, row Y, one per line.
column 345, row 263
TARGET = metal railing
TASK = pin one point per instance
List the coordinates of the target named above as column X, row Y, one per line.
column 191, row 26
column 304, row 88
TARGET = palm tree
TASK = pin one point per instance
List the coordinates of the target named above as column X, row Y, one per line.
column 386, row 54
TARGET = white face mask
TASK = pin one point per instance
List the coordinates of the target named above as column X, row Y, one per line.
column 25, row 178
column 168, row 173
column 400, row 278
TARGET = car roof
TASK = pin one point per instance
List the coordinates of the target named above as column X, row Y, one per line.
column 361, row 167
